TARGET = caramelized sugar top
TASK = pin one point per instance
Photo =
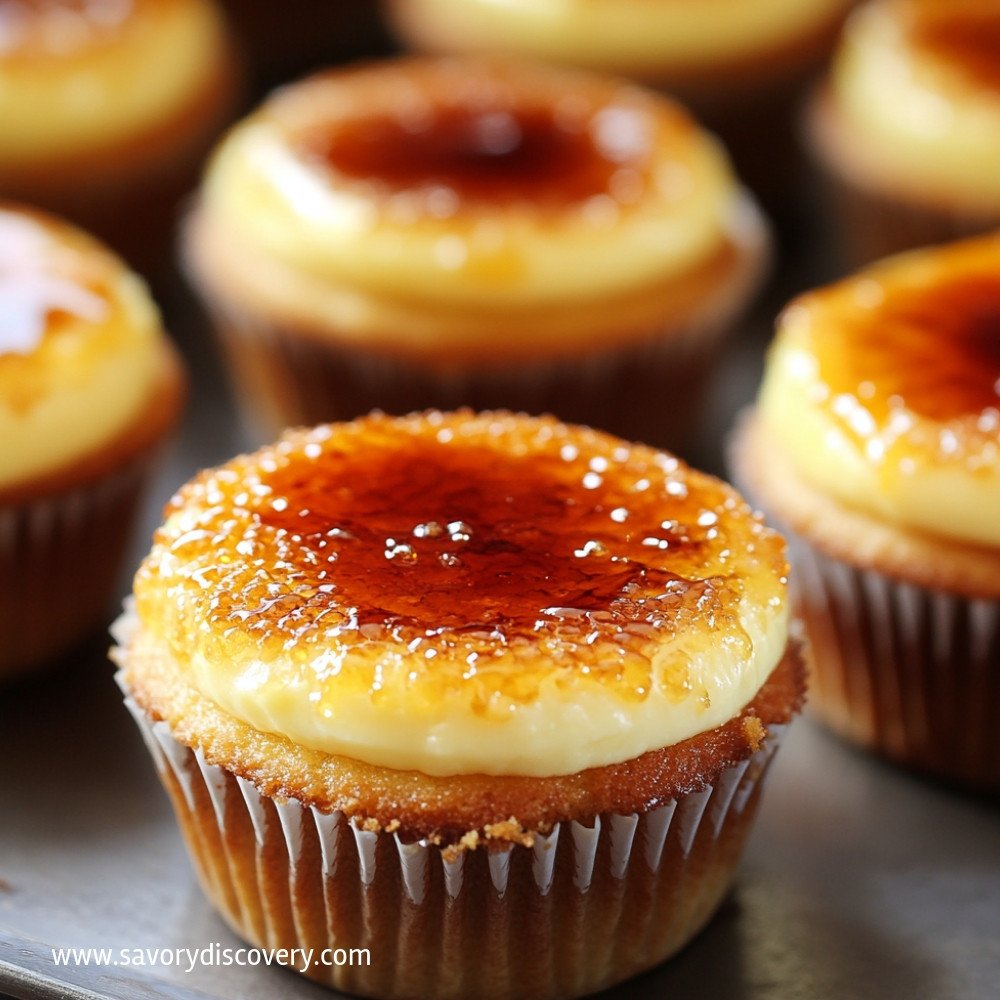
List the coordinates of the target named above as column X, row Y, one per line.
column 46, row 283
column 932, row 350
column 483, row 131
column 60, row 27
column 489, row 154
column 456, row 539
column 964, row 35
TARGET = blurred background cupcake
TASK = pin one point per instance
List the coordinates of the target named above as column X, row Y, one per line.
column 907, row 127
column 739, row 65
column 108, row 107
column 474, row 232
column 89, row 386
column 877, row 441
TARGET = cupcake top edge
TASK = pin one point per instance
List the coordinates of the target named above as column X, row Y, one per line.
column 461, row 593
column 75, row 77
column 884, row 390
column 624, row 36
column 450, row 183
column 916, row 90
column 80, row 345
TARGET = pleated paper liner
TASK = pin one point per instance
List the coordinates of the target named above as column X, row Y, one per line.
column 904, row 670
column 63, row 539
column 868, row 221
column 60, row 557
column 587, row 905
column 643, row 384
column 871, row 224
column 910, row 672
column 650, row 388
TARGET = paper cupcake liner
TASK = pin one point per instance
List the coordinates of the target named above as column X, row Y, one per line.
column 875, row 226
column 60, row 560
column 588, row 905
column 649, row 388
column 910, row 672
column 869, row 224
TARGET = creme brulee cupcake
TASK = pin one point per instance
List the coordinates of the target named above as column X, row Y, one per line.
column 88, row 387
column 490, row 696
column 738, row 63
column 907, row 128
column 492, row 233
column 877, row 439
column 107, row 108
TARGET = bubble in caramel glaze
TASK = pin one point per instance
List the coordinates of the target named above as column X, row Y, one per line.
column 484, row 553
column 962, row 34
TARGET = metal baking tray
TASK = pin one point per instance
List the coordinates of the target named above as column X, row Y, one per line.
column 860, row 882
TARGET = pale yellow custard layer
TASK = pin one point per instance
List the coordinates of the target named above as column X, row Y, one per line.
column 440, row 188
column 79, row 77
column 619, row 35
column 884, row 390
column 461, row 594
column 79, row 346
column 919, row 115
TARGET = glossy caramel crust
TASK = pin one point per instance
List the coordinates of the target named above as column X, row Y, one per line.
column 853, row 536
column 456, row 810
column 148, row 427
column 963, row 36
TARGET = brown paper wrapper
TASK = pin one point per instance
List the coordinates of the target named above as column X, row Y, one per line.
column 866, row 221
column 587, row 905
column 649, row 389
column 60, row 560
column 871, row 225
column 909, row 672
column 64, row 536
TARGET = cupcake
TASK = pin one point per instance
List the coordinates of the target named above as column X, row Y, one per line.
column 462, row 232
column 103, row 120
column 88, row 388
column 907, row 127
column 877, row 441
column 489, row 696
column 738, row 63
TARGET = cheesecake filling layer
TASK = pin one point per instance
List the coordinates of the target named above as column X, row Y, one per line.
column 617, row 34
column 79, row 76
column 79, row 346
column 451, row 184
column 462, row 594
column 916, row 86
column 884, row 390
